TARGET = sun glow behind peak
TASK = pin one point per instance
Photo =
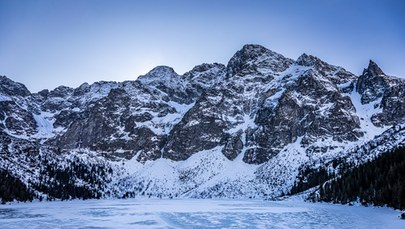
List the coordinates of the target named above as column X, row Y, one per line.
column 70, row 42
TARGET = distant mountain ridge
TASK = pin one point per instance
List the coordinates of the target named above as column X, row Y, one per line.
column 247, row 129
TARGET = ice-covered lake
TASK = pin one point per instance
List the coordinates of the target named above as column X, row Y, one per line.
column 194, row 213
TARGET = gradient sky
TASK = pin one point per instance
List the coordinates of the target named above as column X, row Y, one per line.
column 47, row 43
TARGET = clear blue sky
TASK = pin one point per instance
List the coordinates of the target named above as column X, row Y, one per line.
column 47, row 43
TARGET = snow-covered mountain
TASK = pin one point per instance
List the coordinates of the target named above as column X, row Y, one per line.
column 247, row 129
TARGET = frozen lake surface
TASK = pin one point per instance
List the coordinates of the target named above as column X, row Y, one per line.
column 194, row 213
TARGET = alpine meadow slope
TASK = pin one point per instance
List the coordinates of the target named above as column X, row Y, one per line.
column 262, row 126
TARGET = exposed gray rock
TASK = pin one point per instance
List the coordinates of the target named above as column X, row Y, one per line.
column 11, row 88
column 313, row 107
column 200, row 129
column 233, row 146
column 252, row 58
column 392, row 104
column 16, row 120
column 372, row 83
column 375, row 85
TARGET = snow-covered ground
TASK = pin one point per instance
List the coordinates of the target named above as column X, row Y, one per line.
column 194, row 213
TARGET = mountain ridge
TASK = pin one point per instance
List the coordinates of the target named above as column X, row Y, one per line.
column 263, row 114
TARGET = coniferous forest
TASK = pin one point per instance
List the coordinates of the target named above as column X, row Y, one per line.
column 378, row 182
column 78, row 180
column 12, row 188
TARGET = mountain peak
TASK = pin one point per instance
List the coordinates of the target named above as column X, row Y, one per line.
column 373, row 69
column 308, row 60
column 158, row 74
column 161, row 70
column 9, row 87
column 253, row 48
column 372, row 84
column 251, row 56
column 205, row 67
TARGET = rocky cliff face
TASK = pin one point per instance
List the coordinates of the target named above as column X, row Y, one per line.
column 388, row 91
column 262, row 113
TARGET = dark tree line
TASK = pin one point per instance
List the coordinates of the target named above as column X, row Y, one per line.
column 75, row 180
column 378, row 182
column 62, row 183
column 12, row 188
column 309, row 178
